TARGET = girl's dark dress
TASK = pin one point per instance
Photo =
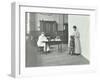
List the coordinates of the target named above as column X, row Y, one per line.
column 72, row 45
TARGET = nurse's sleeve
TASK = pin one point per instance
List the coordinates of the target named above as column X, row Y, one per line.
column 78, row 35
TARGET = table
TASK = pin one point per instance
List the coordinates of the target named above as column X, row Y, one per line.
column 53, row 43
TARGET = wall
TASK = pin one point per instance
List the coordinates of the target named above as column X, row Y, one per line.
column 82, row 23
column 36, row 17
column 51, row 17
column 32, row 21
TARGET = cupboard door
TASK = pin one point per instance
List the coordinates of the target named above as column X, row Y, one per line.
column 48, row 26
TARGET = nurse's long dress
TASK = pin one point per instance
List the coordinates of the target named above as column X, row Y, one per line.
column 77, row 42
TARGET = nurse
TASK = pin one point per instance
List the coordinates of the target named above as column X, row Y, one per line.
column 41, row 43
column 76, row 35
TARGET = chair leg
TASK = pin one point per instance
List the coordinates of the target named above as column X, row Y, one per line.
column 40, row 49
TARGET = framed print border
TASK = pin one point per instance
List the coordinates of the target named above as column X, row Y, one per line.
column 18, row 68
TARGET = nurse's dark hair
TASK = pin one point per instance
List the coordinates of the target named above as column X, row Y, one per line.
column 74, row 27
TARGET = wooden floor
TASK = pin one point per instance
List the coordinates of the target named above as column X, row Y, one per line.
column 54, row 58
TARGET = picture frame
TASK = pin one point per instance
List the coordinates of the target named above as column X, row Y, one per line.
column 18, row 68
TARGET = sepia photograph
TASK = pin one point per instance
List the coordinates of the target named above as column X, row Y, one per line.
column 54, row 39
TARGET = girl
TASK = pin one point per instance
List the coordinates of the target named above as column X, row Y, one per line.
column 71, row 51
